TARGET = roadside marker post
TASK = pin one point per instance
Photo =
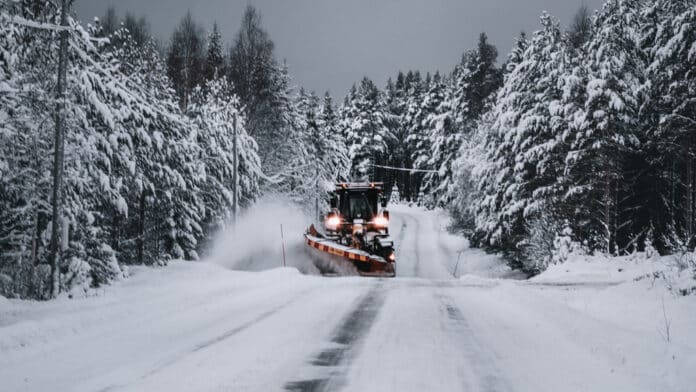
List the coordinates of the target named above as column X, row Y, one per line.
column 282, row 240
column 459, row 255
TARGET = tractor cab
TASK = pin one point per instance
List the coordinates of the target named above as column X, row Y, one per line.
column 359, row 203
column 357, row 217
column 354, row 202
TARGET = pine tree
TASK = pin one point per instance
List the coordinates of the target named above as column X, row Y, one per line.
column 25, row 145
column 109, row 22
column 185, row 59
column 519, row 143
column 475, row 82
column 666, row 189
column 326, row 161
column 333, row 152
column 428, row 138
column 608, row 135
column 138, row 28
column 393, row 104
column 214, row 61
column 484, row 79
column 265, row 90
column 417, row 144
column 580, row 30
column 366, row 134
column 127, row 149
column 253, row 70
column 219, row 118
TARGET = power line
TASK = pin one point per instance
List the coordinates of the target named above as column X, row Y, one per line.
column 406, row 169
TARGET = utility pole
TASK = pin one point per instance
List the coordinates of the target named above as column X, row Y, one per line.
column 316, row 195
column 234, row 171
column 57, row 207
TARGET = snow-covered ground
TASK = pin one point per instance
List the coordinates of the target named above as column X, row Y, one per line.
column 454, row 319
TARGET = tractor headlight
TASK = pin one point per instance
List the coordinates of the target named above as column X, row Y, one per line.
column 332, row 222
column 381, row 221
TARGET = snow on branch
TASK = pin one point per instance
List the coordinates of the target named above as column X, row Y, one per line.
column 125, row 90
column 18, row 20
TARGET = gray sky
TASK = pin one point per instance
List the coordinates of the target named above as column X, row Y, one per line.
column 331, row 44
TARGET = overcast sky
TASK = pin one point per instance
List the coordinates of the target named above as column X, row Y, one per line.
column 331, row 44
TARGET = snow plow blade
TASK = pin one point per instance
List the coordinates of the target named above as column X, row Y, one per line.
column 365, row 263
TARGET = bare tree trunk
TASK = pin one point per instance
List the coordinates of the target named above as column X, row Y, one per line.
column 34, row 252
column 57, row 207
column 689, row 191
column 615, row 224
column 234, row 170
column 35, row 225
column 316, row 195
column 35, row 237
column 35, row 229
column 607, row 211
column 141, row 229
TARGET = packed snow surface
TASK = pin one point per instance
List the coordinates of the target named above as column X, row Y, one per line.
column 455, row 319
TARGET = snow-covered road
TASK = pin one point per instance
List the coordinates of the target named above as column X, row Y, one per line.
column 454, row 319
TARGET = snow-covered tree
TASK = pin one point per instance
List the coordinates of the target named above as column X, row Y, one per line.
column 518, row 142
column 332, row 152
column 608, row 134
column 666, row 190
column 220, row 120
column 185, row 59
column 364, row 129
column 132, row 173
column 326, row 161
column 394, row 195
column 214, row 60
column 430, row 123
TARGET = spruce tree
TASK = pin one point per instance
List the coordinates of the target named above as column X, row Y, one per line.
column 609, row 133
column 185, row 58
column 366, row 133
column 667, row 189
column 214, row 60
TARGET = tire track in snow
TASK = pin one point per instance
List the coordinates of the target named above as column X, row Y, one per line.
column 399, row 240
column 346, row 341
column 402, row 232
column 481, row 364
column 210, row 342
column 416, row 244
column 409, row 238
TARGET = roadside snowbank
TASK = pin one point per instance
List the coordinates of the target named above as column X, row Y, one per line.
column 633, row 336
column 581, row 269
column 613, row 270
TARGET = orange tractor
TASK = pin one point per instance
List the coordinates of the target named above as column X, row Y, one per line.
column 356, row 229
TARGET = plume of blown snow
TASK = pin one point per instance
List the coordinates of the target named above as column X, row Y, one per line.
column 254, row 243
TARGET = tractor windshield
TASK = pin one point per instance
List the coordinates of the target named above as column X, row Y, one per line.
column 359, row 206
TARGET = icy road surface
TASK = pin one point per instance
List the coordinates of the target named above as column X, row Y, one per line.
column 454, row 319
